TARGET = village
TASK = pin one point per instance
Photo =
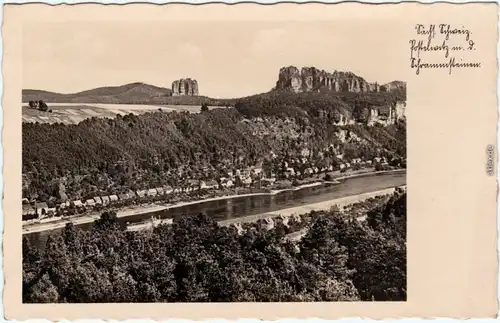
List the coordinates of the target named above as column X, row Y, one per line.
column 295, row 172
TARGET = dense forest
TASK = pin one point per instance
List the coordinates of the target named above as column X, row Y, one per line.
column 107, row 156
column 196, row 260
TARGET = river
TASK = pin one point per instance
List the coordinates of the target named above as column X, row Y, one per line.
column 250, row 205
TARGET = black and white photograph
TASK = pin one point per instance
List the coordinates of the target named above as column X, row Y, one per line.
column 212, row 161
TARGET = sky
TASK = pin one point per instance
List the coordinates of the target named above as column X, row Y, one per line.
column 228, row 59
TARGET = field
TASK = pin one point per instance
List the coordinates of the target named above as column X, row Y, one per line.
column 73, row 113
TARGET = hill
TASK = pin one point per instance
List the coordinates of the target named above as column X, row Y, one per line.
column 100, row 156
column 133, row 93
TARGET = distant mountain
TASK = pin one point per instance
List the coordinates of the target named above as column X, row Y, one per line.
column 109, row 94
column 290, row 79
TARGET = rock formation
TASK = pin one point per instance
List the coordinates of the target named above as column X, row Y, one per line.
column 393, row 86
column 387, row 115
column 185, row 87
column 310, row 79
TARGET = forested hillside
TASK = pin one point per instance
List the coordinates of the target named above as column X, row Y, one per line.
column 112, row 155
column 197, row 260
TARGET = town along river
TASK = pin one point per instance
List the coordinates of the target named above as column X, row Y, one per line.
column 249, row 205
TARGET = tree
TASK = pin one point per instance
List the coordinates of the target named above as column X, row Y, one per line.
column 42, row 106
column 204, row 107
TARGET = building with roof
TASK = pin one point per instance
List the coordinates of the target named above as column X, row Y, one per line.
column 41, row 208
column 28, row 209
column 64, row 205
column 105, row 200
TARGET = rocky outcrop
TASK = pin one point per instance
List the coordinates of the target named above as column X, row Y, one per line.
column 393, row 86
column 387, row 115
column 311, row 79
column 185, row 87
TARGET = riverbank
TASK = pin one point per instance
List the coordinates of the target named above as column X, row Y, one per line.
column 144, row 209
column 320, row 206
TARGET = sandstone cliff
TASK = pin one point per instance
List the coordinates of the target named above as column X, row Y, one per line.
column 310, row 79
column 185, row 87
column 394, row 86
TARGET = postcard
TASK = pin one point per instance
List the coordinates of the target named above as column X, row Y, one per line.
column 250, row 161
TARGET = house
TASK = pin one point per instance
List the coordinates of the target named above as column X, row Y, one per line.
column 123, row 196
column 193, row 184
column 211, row 184
column 97, row 200
column 28, row 209
column 257, row 170
column 141, row 193
column 347, row 165
column 152, row 192
column 377, row 160
column 246, row 181
column 78, row 203
column 64, row 205
column 368, row 163
column 90, row 202
column 316, row 170
column 160, row 190
column 168, row 189
column 113, row 198
column 342, row 166
column 227, row 183
column 41, row 208
column 51, row 211
column 105, row 200
column 308, row 171
column 268, row 181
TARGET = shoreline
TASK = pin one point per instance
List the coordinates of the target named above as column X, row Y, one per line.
column 307, row 208
column 144, row 209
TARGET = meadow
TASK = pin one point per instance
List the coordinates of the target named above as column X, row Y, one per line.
column 73, row 113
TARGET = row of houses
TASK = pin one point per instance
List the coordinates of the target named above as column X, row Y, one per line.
column 41, row 209
column 359, row 162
